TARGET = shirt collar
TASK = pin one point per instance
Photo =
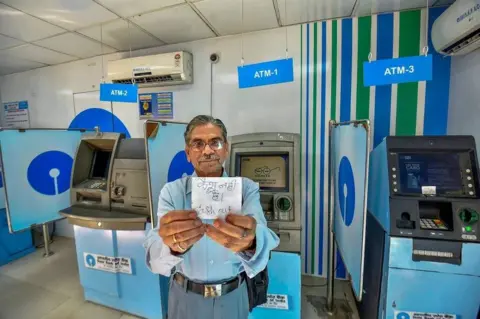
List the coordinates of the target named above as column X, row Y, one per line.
column 189, row 180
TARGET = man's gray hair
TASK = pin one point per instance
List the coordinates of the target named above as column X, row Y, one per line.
column 200, row 120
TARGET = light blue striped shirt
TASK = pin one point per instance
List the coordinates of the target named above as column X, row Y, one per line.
column 208, row 261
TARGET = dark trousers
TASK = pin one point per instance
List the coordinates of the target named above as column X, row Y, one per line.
column 188, row 305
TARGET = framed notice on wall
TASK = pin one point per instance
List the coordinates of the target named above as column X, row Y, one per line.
column 156, row 105
column 15, row 115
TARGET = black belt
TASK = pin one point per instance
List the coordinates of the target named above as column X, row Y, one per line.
column 209, row 290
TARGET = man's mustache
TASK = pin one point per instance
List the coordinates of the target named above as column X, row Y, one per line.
column 209, row 158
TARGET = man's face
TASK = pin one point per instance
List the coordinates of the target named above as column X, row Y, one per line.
column 207, row 150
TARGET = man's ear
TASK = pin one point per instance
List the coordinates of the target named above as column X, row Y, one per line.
column 227, row 149
column 187, row 152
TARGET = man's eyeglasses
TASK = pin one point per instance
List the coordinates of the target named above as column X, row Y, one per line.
column 199, row 145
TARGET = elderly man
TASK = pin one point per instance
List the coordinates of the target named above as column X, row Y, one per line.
column 198, row 254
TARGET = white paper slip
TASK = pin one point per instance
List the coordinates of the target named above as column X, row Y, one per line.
column 214, row 197
column 429, row 190
column 276, row 302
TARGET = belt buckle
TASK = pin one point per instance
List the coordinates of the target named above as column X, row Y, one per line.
column 212, row 291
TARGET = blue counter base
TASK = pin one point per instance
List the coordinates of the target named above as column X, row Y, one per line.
column 13, row 246
column 10, row 258
column 285, row 279
column 145, row 294
column 141, row 293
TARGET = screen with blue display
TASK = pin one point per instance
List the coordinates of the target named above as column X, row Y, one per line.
column 441, row 170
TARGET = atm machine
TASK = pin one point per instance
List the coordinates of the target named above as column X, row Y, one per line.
column 109, row 184
column 423, row 231
column 110, row 211
column 273, row 161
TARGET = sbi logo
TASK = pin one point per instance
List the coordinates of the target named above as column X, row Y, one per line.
column 403, row 315
column 179, row 167
column 49, row 173
column 90, row 260
column 346, row 190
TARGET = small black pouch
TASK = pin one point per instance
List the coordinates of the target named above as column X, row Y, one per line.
column 257, row 289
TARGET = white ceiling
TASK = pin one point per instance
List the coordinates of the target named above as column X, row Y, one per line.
column 37, row 33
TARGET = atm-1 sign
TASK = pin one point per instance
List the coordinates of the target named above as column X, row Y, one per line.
column 401, row 70
column 265, row 73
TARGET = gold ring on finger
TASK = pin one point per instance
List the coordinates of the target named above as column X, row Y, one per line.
column 174, row 239
column 181, row 248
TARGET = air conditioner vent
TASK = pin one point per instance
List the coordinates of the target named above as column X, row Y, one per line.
column 157, row 70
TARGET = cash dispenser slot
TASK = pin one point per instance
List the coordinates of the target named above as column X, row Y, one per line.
column 109, row 184
column 438, row 251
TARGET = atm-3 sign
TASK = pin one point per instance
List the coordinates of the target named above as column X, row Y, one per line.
column 401, row 70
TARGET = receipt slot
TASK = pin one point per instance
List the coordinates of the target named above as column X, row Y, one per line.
column 273, row 161
column 422, row 251
column 109, row 187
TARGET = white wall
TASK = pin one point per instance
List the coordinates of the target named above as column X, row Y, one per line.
column 50, row 91
column 464, row 107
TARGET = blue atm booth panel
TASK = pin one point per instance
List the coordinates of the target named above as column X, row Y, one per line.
column 432, row 287
column 13, row 246
column 432, row 292
column 284, row 271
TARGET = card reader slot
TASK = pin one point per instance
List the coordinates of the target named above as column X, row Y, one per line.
column 118, row 201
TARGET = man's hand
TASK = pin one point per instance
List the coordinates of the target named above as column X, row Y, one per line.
column 236, row 233
column 180, row 229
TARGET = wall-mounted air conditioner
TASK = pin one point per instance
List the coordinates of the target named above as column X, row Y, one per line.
column 154, row 70
column 457, row 30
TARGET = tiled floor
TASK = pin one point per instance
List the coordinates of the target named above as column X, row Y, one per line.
column 48, row 288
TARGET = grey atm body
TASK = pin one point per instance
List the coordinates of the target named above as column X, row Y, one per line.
column 281, row 207
column 109, row 185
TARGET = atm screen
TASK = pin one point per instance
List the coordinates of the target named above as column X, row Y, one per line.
column 100, row 164
column 441, row 170
column 269, row 171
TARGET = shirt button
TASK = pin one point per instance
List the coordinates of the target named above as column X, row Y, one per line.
column 211, row 262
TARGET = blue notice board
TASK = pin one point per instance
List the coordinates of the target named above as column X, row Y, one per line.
column 113, row 92
column 265, row 73
column 401, row 70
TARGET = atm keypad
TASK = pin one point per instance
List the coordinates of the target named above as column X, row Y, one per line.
column 436, row 224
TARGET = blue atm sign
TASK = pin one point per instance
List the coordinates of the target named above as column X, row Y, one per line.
column 265, row 73
column 126, row 93
column 401, row 70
